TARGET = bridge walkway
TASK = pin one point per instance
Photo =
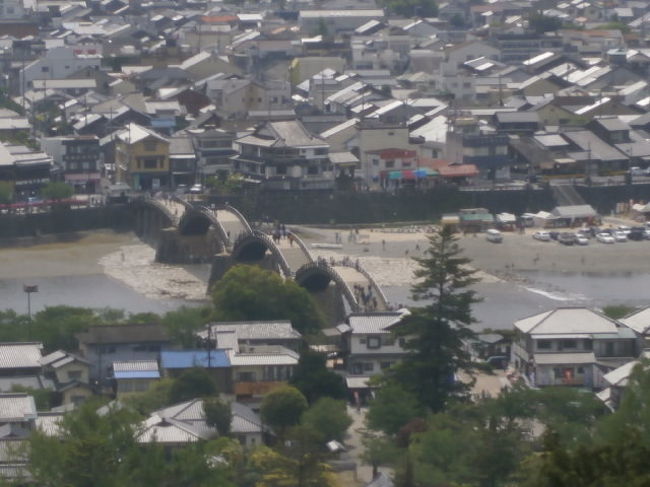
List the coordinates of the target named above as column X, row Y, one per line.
column 294, row 253
column 368, row 296
column 230, row 223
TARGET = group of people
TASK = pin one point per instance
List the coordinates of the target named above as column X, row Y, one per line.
column 364, row 296
column 280, row 232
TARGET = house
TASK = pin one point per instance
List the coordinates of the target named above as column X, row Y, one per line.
column 311, row 22
column 284, row 155
column 246, row 425
column 639, row 321
column 27, row 170
column 174, row 362
column 105, row 344
column 20, row 364
column 134, row 376
column 57, row 63
column 249, row 335
column 142, row 158
column 469, row 143
column 70, row 375
column 182, row 160
column 369, row 344
column 79, row 158
column 617, row 381
column 571, row 347
column 17, row 415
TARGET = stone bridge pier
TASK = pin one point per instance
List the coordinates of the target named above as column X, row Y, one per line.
column 175, row 248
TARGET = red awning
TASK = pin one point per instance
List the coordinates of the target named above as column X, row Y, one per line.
column 408, row 175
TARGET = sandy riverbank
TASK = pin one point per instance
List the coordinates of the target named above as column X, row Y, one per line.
column 387, row 254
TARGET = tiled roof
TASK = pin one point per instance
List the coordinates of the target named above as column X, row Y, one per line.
column 16, row 407
column 123, row 334
column 256, row 330
column 136, row 369
column 20, row 355
column 373, row 322
column 567, row 321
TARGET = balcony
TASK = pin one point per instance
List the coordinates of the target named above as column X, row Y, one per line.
column 256, row 388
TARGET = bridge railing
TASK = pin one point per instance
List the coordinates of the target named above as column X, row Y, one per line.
column 322, row 265
column 238, row 214
column 372, row 282
column 302, row 246
column 270, row 244
column 166, row 211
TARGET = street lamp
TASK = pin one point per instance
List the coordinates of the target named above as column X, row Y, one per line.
column 29, row 289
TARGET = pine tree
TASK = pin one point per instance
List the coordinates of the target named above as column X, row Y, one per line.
column 435, row 333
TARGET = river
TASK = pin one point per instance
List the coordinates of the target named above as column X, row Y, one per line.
column 108, row 269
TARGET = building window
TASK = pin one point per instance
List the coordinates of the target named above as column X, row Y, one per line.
column 374, row 342
column 45, row 69
column 544, row 344
column 74, row 374
column 362, row 340
column 246, row 377
column 581, row 370
column 569, row 344
column 388, row 341
column 390, row 164
column 385, row 365
column 150, row 163
column 402, row 342
column 312, row 170
column 368, row 367
column 557, row 373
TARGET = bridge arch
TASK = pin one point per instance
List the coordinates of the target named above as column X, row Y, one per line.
column 252, row 247
column 317, row 276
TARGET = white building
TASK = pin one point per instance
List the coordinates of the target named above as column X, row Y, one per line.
column 571, row 347
column 57, row 63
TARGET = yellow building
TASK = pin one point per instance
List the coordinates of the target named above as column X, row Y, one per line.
column 142, row 158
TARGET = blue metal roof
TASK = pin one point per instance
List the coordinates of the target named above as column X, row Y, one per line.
column 185, row 359
column 138, row 374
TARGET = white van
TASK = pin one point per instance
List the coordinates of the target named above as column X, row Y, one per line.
column 494, row 236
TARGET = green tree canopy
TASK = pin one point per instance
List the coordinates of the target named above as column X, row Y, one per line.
column 435, row 333
column 218, row 415
column 6, row 192
column 392, row 408
column 249, row 292
column 193, row 383
column 315, row 380
column 411, row 8
column 101, row 450
column 57, row 191
column 328, row 417
column 282, row 408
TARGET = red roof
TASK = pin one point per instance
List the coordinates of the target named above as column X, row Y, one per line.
column 458, row 171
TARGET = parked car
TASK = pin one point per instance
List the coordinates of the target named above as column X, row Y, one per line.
column 498, row 361
column 493, row 235
column 619, row 236
column 542, row 236
column 554, row 235
column 566, row 238
column 604, row 237
column 637, row 233
column 581, row 239
column 624, row 228
column 196, row 189
column 181, row 189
